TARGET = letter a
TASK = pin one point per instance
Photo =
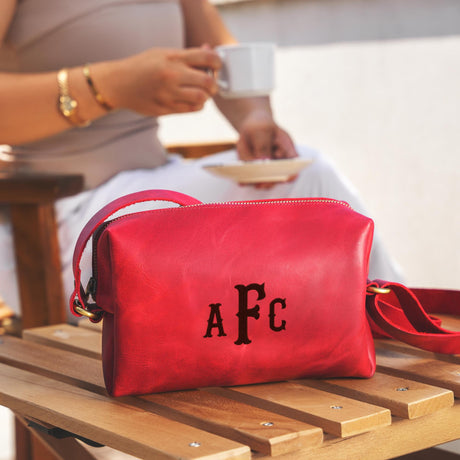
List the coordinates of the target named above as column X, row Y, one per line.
column 215, row 314
column 244, row 312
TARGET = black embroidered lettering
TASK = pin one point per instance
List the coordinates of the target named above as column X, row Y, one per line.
column 215, row 320
column 244, row 312
column 272, row 315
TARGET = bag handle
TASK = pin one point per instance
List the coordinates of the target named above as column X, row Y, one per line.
column 396, row 311
column 79, row 299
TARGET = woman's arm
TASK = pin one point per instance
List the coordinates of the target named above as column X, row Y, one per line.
column 203, row 24
column 252, row 118
column 28, row 102
column 155, row 82
column 29, row 109
column 205, row 27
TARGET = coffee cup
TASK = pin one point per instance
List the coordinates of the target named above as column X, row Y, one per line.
column 247, row 69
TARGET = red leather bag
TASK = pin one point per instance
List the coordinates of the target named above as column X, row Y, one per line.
column 243, row 292
column 226, row 294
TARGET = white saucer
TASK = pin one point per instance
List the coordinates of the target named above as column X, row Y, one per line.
column 257, row 171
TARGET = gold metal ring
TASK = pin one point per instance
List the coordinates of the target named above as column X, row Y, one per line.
column 378, row 290
column 83, row 312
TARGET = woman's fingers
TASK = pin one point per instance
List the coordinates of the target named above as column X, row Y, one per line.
column 191, row 97
column 285, row 147
column 202, row 58
column 163, row 81
column 262, row 143
column 191, row 77
column 188, row 85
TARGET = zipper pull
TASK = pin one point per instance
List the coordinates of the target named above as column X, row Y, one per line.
column 91, row 288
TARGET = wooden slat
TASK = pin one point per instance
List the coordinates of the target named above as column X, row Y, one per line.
column 405, row 398
column 66, row 337
column 62, row 365
column 401, row 437
column 402, row 347
column 107, row 421
column 263, row 431
column 426, row 370
column 221, row 416
column 86, row 323
column 333, row 413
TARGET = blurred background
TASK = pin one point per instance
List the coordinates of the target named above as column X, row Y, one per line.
column 374, row 85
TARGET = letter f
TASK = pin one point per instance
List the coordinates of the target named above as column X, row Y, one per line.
column 244, row 312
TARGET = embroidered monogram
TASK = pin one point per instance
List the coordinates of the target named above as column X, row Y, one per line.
column 245, row 312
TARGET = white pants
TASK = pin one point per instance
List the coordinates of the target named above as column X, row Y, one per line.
column 320, row 179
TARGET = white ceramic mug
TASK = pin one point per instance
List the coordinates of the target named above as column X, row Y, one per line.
column 248, row 69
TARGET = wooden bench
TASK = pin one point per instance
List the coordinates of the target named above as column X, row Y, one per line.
column 52, row 378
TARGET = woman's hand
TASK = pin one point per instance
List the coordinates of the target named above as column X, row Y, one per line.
column 159, row 81
column 262, row 138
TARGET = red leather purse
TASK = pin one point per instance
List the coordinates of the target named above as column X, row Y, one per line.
column 231, row 293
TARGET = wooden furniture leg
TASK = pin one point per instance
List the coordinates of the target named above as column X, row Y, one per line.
column 47, row 447
column 23, row 441
column 41, row 293
column 27, row 446
column 31, row 202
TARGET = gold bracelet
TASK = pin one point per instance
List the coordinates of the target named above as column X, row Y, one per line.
column 99, row 98
column 67, row 105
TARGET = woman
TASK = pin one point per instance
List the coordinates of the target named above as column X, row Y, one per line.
column 146, row 59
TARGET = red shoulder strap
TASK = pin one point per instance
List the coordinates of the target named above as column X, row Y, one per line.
column 78, row 298
column 399, row 314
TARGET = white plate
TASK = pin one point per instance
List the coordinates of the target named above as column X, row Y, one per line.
column 252, row 172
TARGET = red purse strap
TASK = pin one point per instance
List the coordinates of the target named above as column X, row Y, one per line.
column 396, row 311
column 78, row 300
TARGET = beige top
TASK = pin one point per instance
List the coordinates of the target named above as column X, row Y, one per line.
column 50, row 34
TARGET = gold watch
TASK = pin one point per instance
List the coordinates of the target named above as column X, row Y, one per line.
column 67, row 105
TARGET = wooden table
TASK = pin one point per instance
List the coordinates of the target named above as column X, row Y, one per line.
column 53, row 377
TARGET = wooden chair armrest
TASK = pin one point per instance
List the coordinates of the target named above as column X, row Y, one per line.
column 16, row 188
column 42, row 188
